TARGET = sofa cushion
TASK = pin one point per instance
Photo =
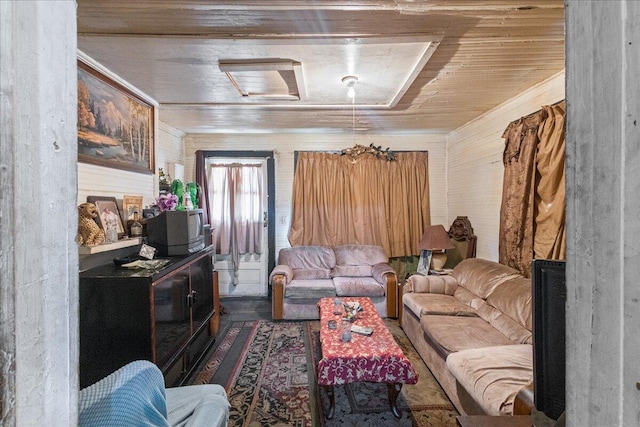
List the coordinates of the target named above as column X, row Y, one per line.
column 433, row 284
column 351, row 271
column 449, row 334
column 311, row 273
column 493, row 375
column 503, row 323
column 307, row 257
column 481, row 276
column 359, row 255
column 513, row 298
column 308, row 288
column 421, row 304
column 466, row 297
column 358, row 287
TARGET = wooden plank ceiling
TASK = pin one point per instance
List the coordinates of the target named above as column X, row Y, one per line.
column 478, row 54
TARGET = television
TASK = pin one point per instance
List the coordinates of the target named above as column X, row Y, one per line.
column 175, row 233
column 549, row 299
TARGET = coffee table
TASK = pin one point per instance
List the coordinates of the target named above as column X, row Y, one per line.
column 372, row 358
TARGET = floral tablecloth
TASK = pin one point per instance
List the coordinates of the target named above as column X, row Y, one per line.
column 374, row 358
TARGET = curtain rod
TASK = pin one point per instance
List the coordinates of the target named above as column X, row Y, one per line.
column 550, row 105
column 226, row 165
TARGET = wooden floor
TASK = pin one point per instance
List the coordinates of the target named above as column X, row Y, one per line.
column 243, row 309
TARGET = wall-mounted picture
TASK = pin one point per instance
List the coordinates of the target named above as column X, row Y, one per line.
column 108, row 213
column 130, row 205
column 115, row 127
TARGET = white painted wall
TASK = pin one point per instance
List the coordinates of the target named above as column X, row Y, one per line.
column 284, row 146
column 474, row 159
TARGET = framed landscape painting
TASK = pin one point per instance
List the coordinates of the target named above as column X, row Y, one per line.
column 115, row 127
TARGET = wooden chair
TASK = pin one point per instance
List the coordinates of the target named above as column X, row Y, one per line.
column 462, row 237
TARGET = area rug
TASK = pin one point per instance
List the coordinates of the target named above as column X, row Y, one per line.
column 268, row 371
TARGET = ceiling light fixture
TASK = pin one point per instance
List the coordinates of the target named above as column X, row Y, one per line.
column 350, row 82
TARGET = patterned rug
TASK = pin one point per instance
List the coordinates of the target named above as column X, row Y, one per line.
column 267, row 370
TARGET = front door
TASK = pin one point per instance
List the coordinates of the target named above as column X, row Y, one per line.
column 239, row 200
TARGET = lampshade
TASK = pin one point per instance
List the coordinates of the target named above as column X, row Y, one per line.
column 435, row 238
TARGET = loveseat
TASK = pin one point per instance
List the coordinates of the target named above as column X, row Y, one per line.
column 305, row 274
column 473, row 329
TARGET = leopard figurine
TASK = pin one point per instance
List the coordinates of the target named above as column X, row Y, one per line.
column 89, row 233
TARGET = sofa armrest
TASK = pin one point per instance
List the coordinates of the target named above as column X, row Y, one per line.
column 134, row 393
column 403, row 288
column 445, row 285
column 391, row 293
column 379, row 270
column 277, row 296
column 283, row 270
column 523, row 403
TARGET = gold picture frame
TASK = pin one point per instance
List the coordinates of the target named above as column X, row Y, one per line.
column 115, row 126
column 131, row 204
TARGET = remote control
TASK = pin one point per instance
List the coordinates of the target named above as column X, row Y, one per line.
column 361, row 330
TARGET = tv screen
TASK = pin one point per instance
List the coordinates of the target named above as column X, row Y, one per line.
column 549, row 299
column 176, row 232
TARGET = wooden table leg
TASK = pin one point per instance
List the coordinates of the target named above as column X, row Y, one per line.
column 332, row 401
column 394, row 390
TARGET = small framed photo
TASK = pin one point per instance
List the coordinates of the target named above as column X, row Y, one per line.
column 152, row 212
column 130, row 205
column 108, row 212
column 424, row 262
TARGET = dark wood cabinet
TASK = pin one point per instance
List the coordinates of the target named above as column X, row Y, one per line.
column 167, row 316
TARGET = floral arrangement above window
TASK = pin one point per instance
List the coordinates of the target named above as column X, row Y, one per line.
column 358, row 150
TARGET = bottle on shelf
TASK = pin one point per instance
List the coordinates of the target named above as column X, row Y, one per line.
column 135, row 228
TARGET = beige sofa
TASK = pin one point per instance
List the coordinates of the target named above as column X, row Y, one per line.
column 473, row 330
column 305, row 274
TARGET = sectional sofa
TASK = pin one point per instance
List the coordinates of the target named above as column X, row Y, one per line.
column 473, row 329
column 304, row 274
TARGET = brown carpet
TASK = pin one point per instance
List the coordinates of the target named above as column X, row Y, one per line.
column 267, row 370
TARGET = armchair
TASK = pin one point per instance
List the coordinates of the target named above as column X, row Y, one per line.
column 135, row 395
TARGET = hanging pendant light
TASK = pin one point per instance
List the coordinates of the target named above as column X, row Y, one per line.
column 350, row 82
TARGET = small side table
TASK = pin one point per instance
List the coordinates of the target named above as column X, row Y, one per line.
column 494, row 421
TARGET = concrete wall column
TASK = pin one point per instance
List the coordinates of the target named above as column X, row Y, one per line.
column 603, row 213
column 38, row 216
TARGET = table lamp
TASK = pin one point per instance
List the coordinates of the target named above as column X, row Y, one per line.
column 436, row 240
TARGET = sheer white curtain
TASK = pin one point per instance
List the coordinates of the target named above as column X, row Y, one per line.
column 236, row 204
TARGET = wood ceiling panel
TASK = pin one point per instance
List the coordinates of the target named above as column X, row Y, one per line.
column 489, row 51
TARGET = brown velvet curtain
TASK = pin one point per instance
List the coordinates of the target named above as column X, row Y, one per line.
column 369, row 201
column 532, row 211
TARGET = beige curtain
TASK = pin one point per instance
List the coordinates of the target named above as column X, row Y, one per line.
column 549, row 235
column 532, row 211
column 369, row 201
